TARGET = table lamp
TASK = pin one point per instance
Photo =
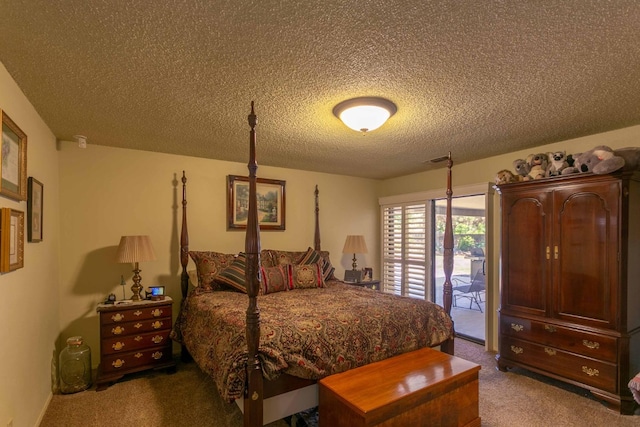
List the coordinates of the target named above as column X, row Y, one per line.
column 135, row 249
column 355, row 245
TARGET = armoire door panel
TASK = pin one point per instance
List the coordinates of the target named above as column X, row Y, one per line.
column 585, row 266
column 526, row 252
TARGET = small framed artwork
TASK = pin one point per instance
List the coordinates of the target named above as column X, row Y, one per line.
column 11, row 239
column 271, row 198
column 367, row 273
column 35, row 200
column 14, row 160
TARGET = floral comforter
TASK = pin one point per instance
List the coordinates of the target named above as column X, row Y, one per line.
column 308, row 333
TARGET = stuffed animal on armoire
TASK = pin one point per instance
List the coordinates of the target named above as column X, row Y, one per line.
column 505, row 176
column 538, row 164
column 599, row 160
column 522, row 169
column 559, row 164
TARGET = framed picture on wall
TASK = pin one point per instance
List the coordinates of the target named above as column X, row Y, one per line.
column 270, row 194
column 13, row 156
column 35, row 200
column 11, row 239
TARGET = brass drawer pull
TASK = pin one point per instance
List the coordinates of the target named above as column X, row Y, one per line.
column 516, row 327
column 118, row 346
column 137, row 313
column 137, row 355
column 550, row 328
column 593, row 345
column 516, row 350
column 591, row 372
column 117, row 317
column 117, row 330
column 157, row 339
column 550, row 351
column 117, row 363
column 138, row 325
column 138, row 338
column 157, row 312
column 157, row 324
column 157, row 355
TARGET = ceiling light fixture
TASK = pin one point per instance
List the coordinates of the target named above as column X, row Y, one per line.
column 366, row 113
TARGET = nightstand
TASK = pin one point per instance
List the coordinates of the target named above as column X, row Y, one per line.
column 371, row 284
column 134, row 337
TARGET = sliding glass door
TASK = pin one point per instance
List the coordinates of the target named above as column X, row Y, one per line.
column 469, row 266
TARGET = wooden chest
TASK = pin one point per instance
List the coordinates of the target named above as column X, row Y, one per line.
column 134, row 338
column 423, row 387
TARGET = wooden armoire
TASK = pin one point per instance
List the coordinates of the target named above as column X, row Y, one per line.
column 570, row 281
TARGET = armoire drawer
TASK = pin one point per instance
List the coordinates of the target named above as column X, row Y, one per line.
column 601, row 347
column 585, row 370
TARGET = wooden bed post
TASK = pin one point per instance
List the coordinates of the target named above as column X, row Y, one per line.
column 184, row 258
column 316, row 238
column 447, row 262
column 253, row 411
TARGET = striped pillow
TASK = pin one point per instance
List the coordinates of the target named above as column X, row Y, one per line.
column 234, row 274
column 312, row 256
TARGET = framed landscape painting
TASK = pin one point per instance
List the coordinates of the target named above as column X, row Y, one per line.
column 13, row 159
column 270, row 194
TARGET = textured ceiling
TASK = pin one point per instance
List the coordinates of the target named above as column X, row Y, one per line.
column 477, row 78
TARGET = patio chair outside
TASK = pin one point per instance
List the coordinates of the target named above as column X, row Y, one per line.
column 470, row 291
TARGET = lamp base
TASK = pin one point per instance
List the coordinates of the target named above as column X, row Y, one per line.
column 136, row 288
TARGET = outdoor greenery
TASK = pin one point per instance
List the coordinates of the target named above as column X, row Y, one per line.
column 468, row 232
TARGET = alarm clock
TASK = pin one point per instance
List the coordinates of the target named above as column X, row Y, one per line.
column 155, row 293
column 110, row 299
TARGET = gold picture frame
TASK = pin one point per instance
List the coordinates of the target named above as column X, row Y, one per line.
column 271, row 203
column 11, row 239
column 13, row 160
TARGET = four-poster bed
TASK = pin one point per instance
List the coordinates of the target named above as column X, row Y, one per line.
column 303, row 334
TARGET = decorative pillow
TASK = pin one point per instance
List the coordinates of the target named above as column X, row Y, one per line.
column 312, row 256
column 327, row 268
column 234, row 274
column 274, row 279
column 208, row 267
column 305, row 276
column 287, row 257
column 267, row 258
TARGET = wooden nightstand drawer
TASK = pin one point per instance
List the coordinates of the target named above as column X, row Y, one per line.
column 119, row 314
column 134, row 342
column 124, row 363
column 118, row 330
column 569, row 339
column 570, row 365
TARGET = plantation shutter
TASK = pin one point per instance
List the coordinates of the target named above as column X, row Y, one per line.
column 404, row 242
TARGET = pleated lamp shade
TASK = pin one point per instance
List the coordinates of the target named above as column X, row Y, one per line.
column 135, row 249
column 354, row 245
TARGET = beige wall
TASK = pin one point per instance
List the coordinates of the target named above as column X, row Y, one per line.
column 109, row 192
column 29, row 301
column 483, row 171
